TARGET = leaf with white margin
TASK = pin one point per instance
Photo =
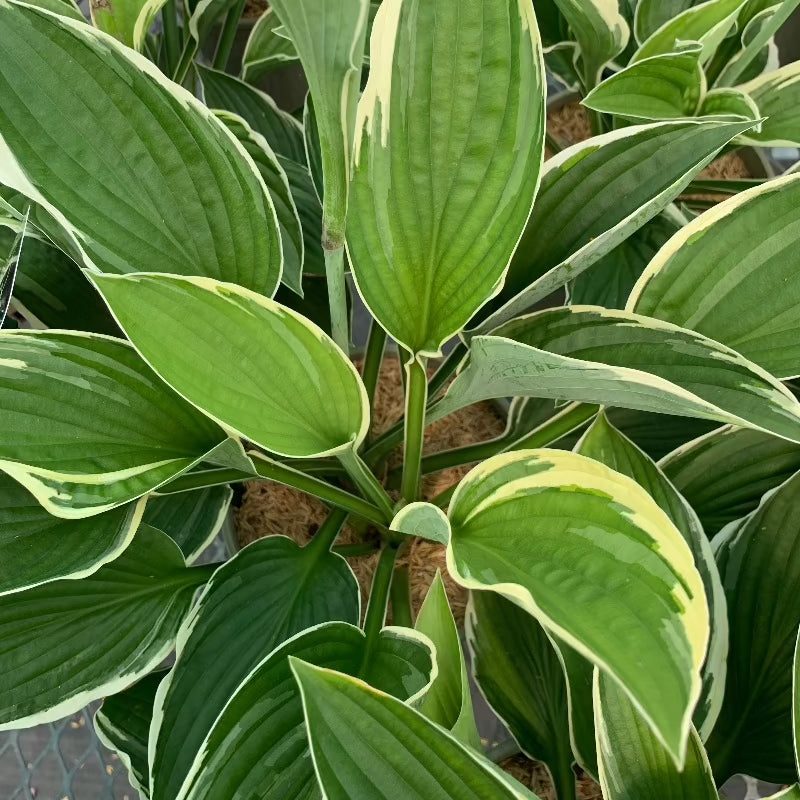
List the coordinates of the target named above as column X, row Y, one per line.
column 777, row 95
column 633, row 764
column 607, row 445
column 426, row 254
column 596, row 194
column 258, row 746
column 282, row 131
column 368, row 744
column 274, row 377
column 731, row 102
column 191, row 519
column 131, row 144
column 667, row 86
column 593, row 557
column 9, row 266
column 36, row 547
column 650, row 15
column 129, row 21
column 67, row 643
column 792, row 793
column 67, row 8
column 759, row 561
column 725, row 473
column 708, row 23
column 448, row 701
column 616, row 358
column 796, row 703
column 424, row 520
column 601, row 31
column 88, row 425
column 122, row 724
column 277, row 182
column 268, row 48
column 204, row 16
column 519, row 674
column 729, row 275
column 329, row 37
column 267, row 593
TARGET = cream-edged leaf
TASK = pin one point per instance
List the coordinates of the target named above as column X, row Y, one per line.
column 424, row 520
column 88, row 425
column 141, row 175
column 273, row 377
column 777, row 95
column 731, row 102
column 591, row 555
column 426, row 254
column 729, row 274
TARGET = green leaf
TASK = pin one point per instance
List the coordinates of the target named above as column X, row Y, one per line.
column 277, row 182
column 313, row 146
column 11, row 249
column 792, row 793
column 367, row 744
column 52, row 292
column 796, row 704
column 275, row 377
column 427, row 254
column 605, row 444
column 258, row 746
column 725, row 473
column 205, row 14
column 190, row 519
column 89, row 426
column 730, row 102
column 268, row 48
column 729, row 275
column 227, row 93
column 596, row 355
column 609, row 282
column 633, row 764
column 601, row 32
column 266, row 594
column 448, row 701
column 652, row 14
column 67, row 643
column 519, row 673
column 759, row 561
column 36, row 547
column 122, row 724
column 66, row 8
column 142, row 175
column 309, row 209
column 128, row 21
column 591, row 555
column 708, row 23
column 329, row 38
column 595, row 194
column 424, row 520
column 777, row 95
column 666, row 86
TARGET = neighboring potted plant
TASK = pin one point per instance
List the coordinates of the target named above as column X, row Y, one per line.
column 633, row 578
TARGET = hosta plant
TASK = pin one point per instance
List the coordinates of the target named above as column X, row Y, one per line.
column 175, row 263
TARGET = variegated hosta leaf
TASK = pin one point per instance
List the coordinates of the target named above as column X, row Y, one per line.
column 427, row 254
column 708, row 23
column 277, row 182
column 792, row 793
column 777, row 95
column 266, row 594
column 424, row 520
column 36, row 547
column 66, row 8
column 616, row 358
column 329, row 37
column 10, row 254
column 796, row 703
column 67, row 643
column 268, row 48
column 605, row 444
column 725, row 473
column 448, row 701
column 141, row 175
column 204, row 15
column 600, row 30
column 191, row 519
column 595, row 194
column 520, row 675
column 308, row 207
column 88, row 425
column 281, row 130
column 129, row 21
column 731, row 102
column 633, row 764
column 652, row 14
column 759, row 560
column 609, row 282
column 122, row 724
column 274, row 377
column 258, row 746
column 368, row 744
column 591, row 555
column 665, row 86
column 730, row 273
